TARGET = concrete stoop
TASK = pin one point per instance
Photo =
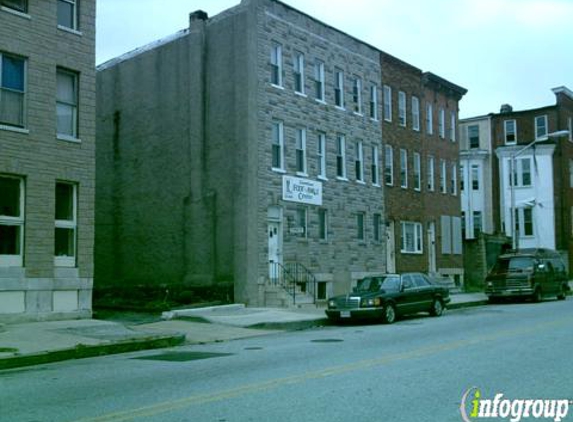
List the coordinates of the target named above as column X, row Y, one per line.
column 277, row 297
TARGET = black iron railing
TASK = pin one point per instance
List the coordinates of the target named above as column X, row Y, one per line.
column 294, row 278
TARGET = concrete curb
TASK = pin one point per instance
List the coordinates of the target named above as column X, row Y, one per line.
column 192, row 312
column 82, row 351
column 462, row 305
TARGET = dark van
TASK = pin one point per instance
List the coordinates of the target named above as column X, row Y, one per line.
column 533, row 273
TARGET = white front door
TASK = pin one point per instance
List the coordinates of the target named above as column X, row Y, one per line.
column 390, row 248
column 432, row 247
column 275, row 249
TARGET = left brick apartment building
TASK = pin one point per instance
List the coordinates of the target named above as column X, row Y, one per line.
column 47, row 158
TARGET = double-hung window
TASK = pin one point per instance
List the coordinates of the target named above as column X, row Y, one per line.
column 473, row 136
column 415, row 113
column 376, row 224
column 540, row 126
column 387, row 103
column 67, row 103
column 475, row 176
column 388, row 165
column 357, row 95
column 321, row 155
column 443, row 187
column 340, row 157
column 429, row 119
column 411, row 238
column 374, row 102
column 322, row 224
column 298, row 73
column 430, row 176
column 276, row 65
column 339, row 88
column 402, row 108
column 360, row 226
column 454, row 180
column 301, row 151
column 11, row 221
column 453, row 128
column 417, row 172
column 277, row 141
column 68, row 14
column 509, row 128
column 403, row 168
column 359, row 163
column 522, row 172
column 374, row 167
column 302, row 221
column 12, row 90
column 66, row 225
column 18, row 5
column 319, row 81
column 442, row 123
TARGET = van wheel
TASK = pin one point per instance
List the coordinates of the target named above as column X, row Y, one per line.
column 537, row 295
column 389, row 313
column 563, row 294
column 437, row 308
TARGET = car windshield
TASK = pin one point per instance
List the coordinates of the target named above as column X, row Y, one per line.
column 373, row 284
column 516, row 264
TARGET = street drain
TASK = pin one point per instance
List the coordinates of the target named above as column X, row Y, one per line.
column 253, row 348
column 183, row 356
column 327, row 340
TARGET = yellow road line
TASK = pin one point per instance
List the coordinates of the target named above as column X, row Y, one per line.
column 169, row 406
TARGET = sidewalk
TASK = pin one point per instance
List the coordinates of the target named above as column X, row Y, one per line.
column 43, row 342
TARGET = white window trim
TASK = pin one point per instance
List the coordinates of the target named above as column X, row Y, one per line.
column 69, row 261
column 415, row 113
column 429, row 119
column 544, row 117
column 341, row 141
column 6, row 126
column 321, row 146
column 301, row 133
column 402, row 120
column 319, row 77
column 357, row 92
column 374, row 103
column 387, row 103
column 477, row 174
column 360, row 161
column 298, row 66
column 325, row 211
column 389, row 164
column 520, row 222
column 454, row 180
column 431, row 174
column 305, row 226
column 75, row 26
column 20, row 222
column 15, row 12
column 443, row 176
column 519, row 172
column 279, row 64
column 417, row 172
column 339, row 85
column 404, row 168
column 442, row 123
column 75, row 115
column 417, row 238
column 375, row 169
column 280, row 131
column 453, row 126
column 505, row 122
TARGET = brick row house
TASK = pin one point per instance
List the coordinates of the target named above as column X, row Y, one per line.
column 249, row 145
column 47, row 158
column 542, row 180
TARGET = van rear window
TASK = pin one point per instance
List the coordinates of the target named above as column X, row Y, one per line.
column 516, row 264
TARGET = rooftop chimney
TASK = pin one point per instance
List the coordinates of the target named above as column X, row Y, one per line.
column 198, row 15
column 506, row 108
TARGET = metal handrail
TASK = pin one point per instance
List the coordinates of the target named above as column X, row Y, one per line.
column 293, row 275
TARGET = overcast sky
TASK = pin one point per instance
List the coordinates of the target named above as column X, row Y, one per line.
column 502, row 51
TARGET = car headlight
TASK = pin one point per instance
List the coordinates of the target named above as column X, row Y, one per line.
column 367, row 303
column 331, row 304
column 489, row 284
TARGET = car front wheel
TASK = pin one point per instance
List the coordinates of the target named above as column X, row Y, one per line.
column 437, row 308
column 563, row 294
column 389, row 313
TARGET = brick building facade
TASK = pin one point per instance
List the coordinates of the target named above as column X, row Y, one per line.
column 47, row 152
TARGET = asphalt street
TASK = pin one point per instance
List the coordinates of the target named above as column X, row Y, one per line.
column 415, row 370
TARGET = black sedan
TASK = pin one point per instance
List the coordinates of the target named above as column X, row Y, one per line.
column 387, row 296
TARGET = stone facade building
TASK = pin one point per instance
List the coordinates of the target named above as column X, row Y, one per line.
column 47, row 153
column 240, row 151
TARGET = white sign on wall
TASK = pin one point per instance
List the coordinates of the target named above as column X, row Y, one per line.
column 303, row 191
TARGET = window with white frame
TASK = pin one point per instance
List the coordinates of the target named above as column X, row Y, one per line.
column 18, row 5
column 417, row 172
column 277, row 65
column 68, row 14
column 540, row 126
column 66, row 225
column 300, row 151
column 360, row 226
column 340, row 157
column 415, row 113
column 11, row 221
column 524, row 222
column 374, row 102
column 387, row 103
column 473, row 136
column 359, row 163
column 374, row 167
column 402, row 108
column 443, row 187
column 319, row 92
column 509, row 128
column 429, row 119
column 338, row 88
column 277, row 140
column 475, row 176
column 442, row 123
column 388, row 165
column 321, row 155
column 453, row 127
column 298, row 73
column 477, row 223
column 462, row 177
column 522, row 172
column 431, row 172
column 454, row 180
column 12, row 90
column 376, row 226
column 302, row 221
column 403, row 168
column 322, row 224
column 411, row 239
column 357, row 95
column 67, row 103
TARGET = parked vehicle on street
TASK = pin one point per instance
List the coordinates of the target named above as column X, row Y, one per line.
column 528, row 273
column 385, row 297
